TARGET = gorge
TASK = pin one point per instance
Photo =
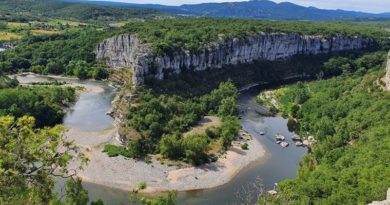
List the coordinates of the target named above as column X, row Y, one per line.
column 128, row 51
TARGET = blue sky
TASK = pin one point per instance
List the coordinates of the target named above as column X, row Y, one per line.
column 374, row 6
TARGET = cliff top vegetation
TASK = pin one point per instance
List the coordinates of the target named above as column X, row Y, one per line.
column 168, row 35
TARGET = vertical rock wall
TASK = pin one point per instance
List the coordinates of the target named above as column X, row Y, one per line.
column 127, row 51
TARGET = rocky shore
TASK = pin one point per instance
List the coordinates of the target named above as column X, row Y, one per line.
column 126, row 174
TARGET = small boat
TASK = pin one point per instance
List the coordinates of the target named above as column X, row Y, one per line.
column 280, row 137
column 278, row 141
column 296, row 138
column 272, row 192
column 284, row 144
column 306, row 143
column 262, row 133
column 298, row 144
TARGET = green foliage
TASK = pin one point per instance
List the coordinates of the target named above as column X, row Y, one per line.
column 98, row 202
column 229, row 130
column 298, row 94
column 142, row 186
column 162, row 119
column 349, row 116
column 70, row 53
column 195, row 34
column 75, row 193
column 195, row 147
column 171, row 146
column 114, row 151
column 244, row 146
column 6, row 82
column 44, row 103
column 228, row 107
column 29, row 159
column 168, row 200
column 23, row 11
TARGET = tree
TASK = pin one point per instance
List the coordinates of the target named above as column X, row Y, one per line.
column 229, row 130
column 55, row 67
column 195, row 147
column 75, row 193
column 228, row 107
column 30, row 158
column 100, row 73
column 170, row 146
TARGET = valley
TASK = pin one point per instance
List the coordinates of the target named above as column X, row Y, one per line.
column 115, row 104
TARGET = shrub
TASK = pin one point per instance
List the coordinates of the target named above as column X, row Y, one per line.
column 244, row 146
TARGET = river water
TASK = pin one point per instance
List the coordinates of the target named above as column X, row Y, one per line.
column 89, row 114
column 281, row 163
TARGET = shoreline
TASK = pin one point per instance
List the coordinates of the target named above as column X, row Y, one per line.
column 126, row 174
column 87, row 88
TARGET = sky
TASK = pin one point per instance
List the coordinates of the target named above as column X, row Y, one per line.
column 373, row 6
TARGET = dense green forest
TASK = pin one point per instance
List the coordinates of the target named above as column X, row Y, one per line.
column 44, row 103
column 162, row 119
column 69, row 53
column 40, row 10
column 349, row 117
column 193, row 34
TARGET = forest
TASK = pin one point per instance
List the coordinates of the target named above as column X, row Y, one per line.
column 194, row 34
column 40, row 10
column 348, row 115
column 67, row 47
column 345, row 109
column 162, row 119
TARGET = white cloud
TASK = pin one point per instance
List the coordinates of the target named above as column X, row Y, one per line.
column 375, row 6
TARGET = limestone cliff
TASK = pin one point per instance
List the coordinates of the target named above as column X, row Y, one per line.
column 127, row 51
column 386, row 79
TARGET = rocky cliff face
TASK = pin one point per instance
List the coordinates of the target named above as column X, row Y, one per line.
column 386, row 79
column 127, row 51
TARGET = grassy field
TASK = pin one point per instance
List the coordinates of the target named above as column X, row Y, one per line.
column 15, row 25
column 54, row 22
column 203, row 125
column 6, row 36
column 44, row 32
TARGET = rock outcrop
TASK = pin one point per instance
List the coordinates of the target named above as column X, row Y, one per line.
column 386, row 79
column 128, row 51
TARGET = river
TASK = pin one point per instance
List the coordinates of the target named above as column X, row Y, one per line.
column 89, row 114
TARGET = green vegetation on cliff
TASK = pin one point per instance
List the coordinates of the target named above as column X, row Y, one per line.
column 349, row 116
column 169, row 35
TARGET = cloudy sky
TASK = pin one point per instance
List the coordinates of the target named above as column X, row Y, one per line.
column 375, row 6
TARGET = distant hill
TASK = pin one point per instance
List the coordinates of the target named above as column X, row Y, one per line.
column 28, row 10
column 264, row 9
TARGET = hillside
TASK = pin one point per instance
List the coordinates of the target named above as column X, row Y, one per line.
column 195, row 33
column 29, row 10
column 259, row 9
column 348, row 116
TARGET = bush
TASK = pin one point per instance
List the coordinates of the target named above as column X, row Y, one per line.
column 114, row 151
column 195, row 148
column 142, row 185
column 244, row 146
